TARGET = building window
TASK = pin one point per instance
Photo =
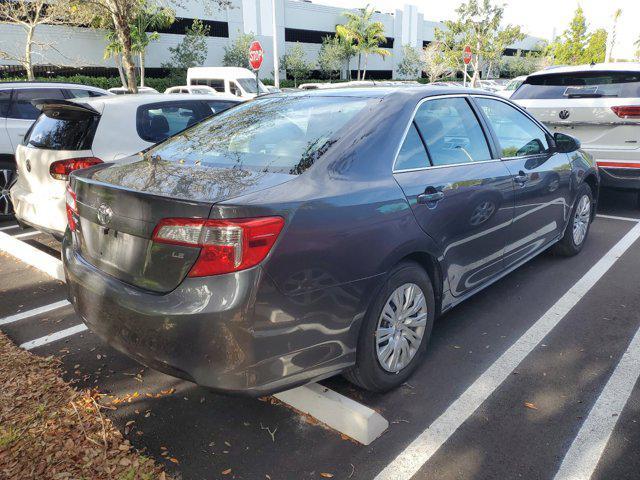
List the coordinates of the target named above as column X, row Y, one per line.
column 179, row 27
column 316, row 36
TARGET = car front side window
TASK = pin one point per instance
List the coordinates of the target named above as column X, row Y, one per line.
column 517, row 134
column 451, row 132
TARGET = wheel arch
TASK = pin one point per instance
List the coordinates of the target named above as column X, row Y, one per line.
column 592, row 180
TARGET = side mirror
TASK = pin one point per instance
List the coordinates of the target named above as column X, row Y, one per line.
column 566, row 143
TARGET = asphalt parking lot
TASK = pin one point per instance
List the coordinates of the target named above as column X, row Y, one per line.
column 534, row 378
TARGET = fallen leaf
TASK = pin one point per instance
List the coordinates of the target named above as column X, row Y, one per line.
column 226, row 472
column 326, row 475
column 530, row 405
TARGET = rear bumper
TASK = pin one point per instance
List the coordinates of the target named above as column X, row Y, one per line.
column 232, row 333
column 42, row 211
column 620, row 178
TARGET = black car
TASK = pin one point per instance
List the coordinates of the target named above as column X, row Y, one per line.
column 299, row 236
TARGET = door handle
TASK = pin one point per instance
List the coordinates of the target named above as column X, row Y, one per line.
column 521, row 178
column 430, row 197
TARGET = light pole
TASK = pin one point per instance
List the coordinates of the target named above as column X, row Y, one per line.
column 276, row 62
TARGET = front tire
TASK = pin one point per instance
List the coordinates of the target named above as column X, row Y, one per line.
column 395, row 331
column 7, row 175
column 577, row 231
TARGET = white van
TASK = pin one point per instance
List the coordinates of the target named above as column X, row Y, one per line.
column 237, row 81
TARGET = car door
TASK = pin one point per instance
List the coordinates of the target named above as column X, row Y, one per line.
column 542, row 178
column 461, row 195
column 22, row 114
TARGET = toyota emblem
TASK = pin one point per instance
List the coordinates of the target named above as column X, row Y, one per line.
column 564, row 114
column 104, row 214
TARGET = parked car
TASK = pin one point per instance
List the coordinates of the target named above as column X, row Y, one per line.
column 232, row 253
column 125, row 91
column 600, row 106
column 75, row 134
column 511, row 86
column 193, row 89
column 16, row 117
column 237, row 81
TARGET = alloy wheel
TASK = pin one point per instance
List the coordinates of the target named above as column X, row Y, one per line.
column 581, row 220
column 401, row 327
column 6, row 178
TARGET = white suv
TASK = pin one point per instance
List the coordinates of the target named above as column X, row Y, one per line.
column 74, row 134
column 16, row 117
column 600, row 106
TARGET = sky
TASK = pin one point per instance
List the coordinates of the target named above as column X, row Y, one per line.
column 537, row 17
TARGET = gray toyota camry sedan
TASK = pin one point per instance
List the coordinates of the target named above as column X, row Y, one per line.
column 299, row 236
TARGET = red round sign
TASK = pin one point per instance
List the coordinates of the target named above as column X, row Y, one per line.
column 255, row 55
column 466, row 56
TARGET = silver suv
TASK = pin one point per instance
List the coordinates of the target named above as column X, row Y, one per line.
column 16, row 117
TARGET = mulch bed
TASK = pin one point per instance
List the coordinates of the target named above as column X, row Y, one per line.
column 49, row 430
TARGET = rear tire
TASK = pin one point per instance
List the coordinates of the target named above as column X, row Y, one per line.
column 403, row 329
column 7, row 175
column 577, row 230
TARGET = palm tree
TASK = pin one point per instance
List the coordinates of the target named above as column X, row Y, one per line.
column 364, row 34
column 149, row 18
column 637, row 45
column 616, row 17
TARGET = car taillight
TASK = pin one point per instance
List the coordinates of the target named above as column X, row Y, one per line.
column 627, row 111
column 226, row 245
column 61, row 169
column 72, row 208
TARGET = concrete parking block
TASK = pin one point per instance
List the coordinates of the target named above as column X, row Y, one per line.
column 347, row 416
column 32, row 256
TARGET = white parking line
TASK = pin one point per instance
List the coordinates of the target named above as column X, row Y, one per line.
column 408, row 462
column 614, row 217
column 33, row 312
column 584, row 454
column 10, row 227
column 67, row 332
column 50, row 265
column 27, row 234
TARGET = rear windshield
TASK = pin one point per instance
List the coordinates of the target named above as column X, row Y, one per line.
column 63, row 130
column 580, row 85
column 271, row 134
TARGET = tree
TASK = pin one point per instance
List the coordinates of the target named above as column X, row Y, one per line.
column 117, row 16
column 434, row 62
column 596, row 49
column 237, row 53
column 29, row 15
column 149, row 17
column 331, row 56
column 192, row 50
column 614, row 33
column 576, row 45
column 295, row 64
column 411, row 63
column 637, row 45
column 365, row 35
column 478, row 24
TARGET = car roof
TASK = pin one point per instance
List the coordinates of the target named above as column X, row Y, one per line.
column 222, row 72
column 137, row 100
column 39, row 84
column 425, row 90
column 598, row 67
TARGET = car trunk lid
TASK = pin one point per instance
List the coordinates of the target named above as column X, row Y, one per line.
column 120, row 206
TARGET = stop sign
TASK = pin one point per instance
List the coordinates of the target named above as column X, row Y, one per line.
column 466, row 56
column 255, row 55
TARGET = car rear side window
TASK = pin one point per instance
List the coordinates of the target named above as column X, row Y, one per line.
column 216, row 83
column 63, row 130
column 412, row 153
column 595, row 84
column 82, row 93
column 218, row 106
column 451, row 132
column 284, row 134
column 156, row 122
column 518, row 135
column 21, row 107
